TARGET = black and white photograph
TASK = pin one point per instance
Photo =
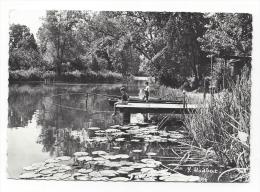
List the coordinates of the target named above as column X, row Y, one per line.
column 129, row 96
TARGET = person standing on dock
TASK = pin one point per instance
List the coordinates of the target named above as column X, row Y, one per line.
column 146, row 91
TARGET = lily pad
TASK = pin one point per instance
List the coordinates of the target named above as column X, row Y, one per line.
column 100, row 134
column 79, row 154
column 83, row 178
column 122, row 156
column 101, row 162
column 94, row 128
column 112, row 130
column 126, row 163
column 151, row 154
column 115, row 126
column 112, row 164
column 63, row 158
column 146, row 169
column 120, row 139
column 30, row 168
column 84, row 171
column 95, row 174
column 99, row 159
column 84, row 158
column 52, row 161
column 61, row 176
column 48, row 171
column 100, row 139
column 110, row 157
column 99, row 179
column 151, row 162
column 65, row 167
column 149, row 179
column 29, row 175
column 126, row 169
column 108, row 173
column 119, row 179
column 139, row 165
column 99, row 153
column 116, row 147
column 125, row 127
column 137, row 151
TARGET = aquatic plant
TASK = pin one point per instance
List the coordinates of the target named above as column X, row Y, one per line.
column 223, row 126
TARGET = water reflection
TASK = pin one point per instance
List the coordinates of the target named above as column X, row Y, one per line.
column 61, row 116
column 55, row 120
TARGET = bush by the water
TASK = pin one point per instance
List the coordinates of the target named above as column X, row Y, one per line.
column 91, row 76
column 26, row 75
column 74, row 76
column 223, row 125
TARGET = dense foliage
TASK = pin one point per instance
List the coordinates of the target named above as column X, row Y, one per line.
column 172, row 47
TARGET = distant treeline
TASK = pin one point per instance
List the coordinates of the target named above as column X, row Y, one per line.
column 176, row 48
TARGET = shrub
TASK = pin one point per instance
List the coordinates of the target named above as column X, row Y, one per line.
column 91, row 76
column 49, row 75
column 32, row 74
column 73, row 76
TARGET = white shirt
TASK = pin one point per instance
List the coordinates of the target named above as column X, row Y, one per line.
column 147, row 88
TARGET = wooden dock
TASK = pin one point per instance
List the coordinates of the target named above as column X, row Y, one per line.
column 156, row 108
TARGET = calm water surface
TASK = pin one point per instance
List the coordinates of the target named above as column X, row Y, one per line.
column 37, row 111
column 42, row 118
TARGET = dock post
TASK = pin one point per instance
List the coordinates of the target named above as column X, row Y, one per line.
column 126, row 117
column 184, row 99
column 86, row 100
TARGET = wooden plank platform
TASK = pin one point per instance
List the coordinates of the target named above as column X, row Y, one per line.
column 155, row 108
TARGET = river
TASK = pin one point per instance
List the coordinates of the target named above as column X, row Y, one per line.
column 40, row 116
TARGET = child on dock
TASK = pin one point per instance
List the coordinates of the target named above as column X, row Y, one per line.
column 124, row 96
column 124, row 99
column 146, row 91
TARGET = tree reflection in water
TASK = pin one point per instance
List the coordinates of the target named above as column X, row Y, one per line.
column 55, row 119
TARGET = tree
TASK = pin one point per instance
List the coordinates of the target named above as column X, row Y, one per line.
column 228, row 34
column 58, row 31
column 20, row 37
column 23, row 50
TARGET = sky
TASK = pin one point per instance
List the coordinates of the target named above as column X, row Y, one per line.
column 30, row 18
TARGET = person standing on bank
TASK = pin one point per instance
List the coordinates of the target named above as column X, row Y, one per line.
column 146, row 91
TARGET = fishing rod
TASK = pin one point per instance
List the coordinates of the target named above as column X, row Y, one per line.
column 86, row 94
column 81, row 93
column 80, row 109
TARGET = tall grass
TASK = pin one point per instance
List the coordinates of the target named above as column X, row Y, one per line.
column 168, row 93
column 223, row 125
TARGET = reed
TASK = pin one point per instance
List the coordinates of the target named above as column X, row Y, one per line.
column 223, row 125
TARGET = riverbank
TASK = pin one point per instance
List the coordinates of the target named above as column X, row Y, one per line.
column 72, row 77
